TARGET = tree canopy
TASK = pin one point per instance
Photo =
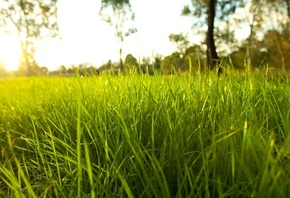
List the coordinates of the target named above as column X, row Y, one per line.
column 32, row 20
column 121, row 18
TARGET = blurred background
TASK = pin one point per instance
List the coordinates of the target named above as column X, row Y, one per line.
column 48, row 37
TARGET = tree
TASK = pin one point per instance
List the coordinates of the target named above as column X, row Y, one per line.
column 263, row 16
column 280, row 18
column 180, row 40
column 190, row 55
column 259, row 56
column 172, row 63
column 117, row 13
column 211, row 11
column 254, row 19
column 211, row 54
column 278, row 47
column 62, row 69
column 32, row 20
column 193, row 58
column 130, row 62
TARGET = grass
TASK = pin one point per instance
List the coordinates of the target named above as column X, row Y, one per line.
column 145, row 136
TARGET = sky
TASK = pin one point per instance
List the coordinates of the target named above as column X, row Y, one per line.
column 87, row 39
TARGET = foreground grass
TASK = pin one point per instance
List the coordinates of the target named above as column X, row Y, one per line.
column 140, row 136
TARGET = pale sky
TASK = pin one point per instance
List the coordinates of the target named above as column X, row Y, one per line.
column 87, row 39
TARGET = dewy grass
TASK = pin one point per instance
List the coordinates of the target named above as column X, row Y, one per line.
column 145, row 136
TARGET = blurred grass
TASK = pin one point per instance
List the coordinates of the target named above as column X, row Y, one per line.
column 145, row 136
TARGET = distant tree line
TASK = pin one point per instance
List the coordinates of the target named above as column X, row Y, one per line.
column 269, row 39
column 267, row 46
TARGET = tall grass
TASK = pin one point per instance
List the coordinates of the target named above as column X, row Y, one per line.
column 145, row 136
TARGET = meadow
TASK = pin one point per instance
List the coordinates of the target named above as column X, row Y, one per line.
column 145, row 136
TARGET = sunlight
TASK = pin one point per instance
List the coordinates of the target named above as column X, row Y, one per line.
column 11, row 64
column 88, row 39
column 9, row 52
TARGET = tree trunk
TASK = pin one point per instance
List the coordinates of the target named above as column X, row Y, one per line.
column 288, row 8
column 288, row 14
column 212, row 57
column 121, row 60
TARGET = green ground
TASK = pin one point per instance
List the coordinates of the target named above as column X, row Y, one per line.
column 145, row 136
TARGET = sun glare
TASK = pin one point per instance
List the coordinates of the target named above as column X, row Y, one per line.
column 11, row 63
column 9, row 53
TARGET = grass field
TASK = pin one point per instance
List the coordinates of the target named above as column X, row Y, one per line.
column 145, row 136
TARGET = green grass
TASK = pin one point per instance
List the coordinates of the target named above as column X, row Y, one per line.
column 145, row 136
